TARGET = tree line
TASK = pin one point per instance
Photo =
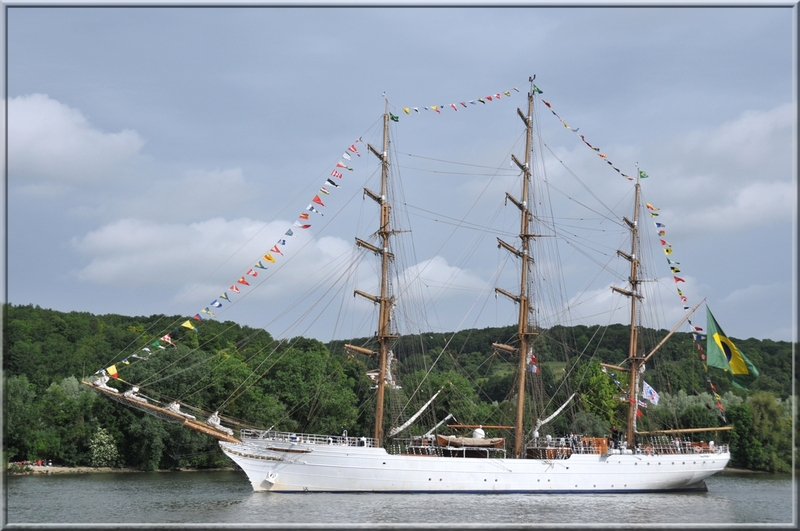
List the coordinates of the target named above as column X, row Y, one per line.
column 304, row 385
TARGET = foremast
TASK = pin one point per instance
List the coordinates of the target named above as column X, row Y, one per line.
column 384, row 300
column 525, row 332
column 635, row 360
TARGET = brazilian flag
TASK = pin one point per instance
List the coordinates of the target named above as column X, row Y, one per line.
column 723, row 354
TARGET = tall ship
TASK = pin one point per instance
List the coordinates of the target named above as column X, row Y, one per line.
column 456, row 455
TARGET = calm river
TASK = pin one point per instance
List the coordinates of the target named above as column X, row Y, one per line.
column 226, row 498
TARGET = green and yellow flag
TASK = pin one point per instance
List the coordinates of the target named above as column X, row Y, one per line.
column 723, row 354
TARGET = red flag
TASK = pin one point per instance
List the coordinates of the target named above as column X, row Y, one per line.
column 252, row 273
column 489, row 98
column 678, row 279
column 234, row 289
column 353, row 149
column 243, row 281
column 275, row 249
column 453, row 105
column 336, row 174
column 638, row 413
column 318, row 201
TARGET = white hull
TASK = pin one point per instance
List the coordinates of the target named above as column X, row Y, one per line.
column 309, row 467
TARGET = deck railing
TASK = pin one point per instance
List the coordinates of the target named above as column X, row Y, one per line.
column 563, row 447
column 307, row 438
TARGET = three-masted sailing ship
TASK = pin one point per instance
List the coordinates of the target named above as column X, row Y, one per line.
column 304, row 462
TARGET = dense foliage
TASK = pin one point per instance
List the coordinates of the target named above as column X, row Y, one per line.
column 303, row 385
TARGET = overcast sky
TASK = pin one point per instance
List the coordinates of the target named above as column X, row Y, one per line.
column 155, row 154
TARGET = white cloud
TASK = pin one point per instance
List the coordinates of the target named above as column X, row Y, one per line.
column 757, row 204
column 661, row 306
column 49, row 141
column 195, row 262
column 735, row 175
column 143, row 253
column 440, row 279
column 754, row 142
column 195, row 195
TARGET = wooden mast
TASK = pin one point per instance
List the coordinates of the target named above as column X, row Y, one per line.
column 524, row 332
column 384, row 300
column 385, row 304
column 634, row 359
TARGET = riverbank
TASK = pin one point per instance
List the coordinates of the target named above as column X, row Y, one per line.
column 36, row 470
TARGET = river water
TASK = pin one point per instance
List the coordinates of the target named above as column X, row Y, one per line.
column 226, row 498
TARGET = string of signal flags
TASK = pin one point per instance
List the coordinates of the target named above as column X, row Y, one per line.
column 317, row 204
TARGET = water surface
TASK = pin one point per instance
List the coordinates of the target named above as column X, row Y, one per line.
column 225, row 497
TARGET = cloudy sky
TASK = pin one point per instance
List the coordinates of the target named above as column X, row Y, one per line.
column 156, row 154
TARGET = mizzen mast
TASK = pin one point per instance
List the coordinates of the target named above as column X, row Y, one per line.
column 384, row 300
column 524, row 332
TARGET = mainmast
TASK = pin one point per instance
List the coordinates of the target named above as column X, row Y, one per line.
column 635, row 361
column 524, row 332
column 384, row 300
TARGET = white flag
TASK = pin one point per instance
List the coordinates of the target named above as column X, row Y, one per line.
column 649, row 393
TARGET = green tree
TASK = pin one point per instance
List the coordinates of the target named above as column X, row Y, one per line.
column 746, row 449
column 597, row 391
column 104, row 449
column 772, row 427
column 21, row 417
column 590, row 425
